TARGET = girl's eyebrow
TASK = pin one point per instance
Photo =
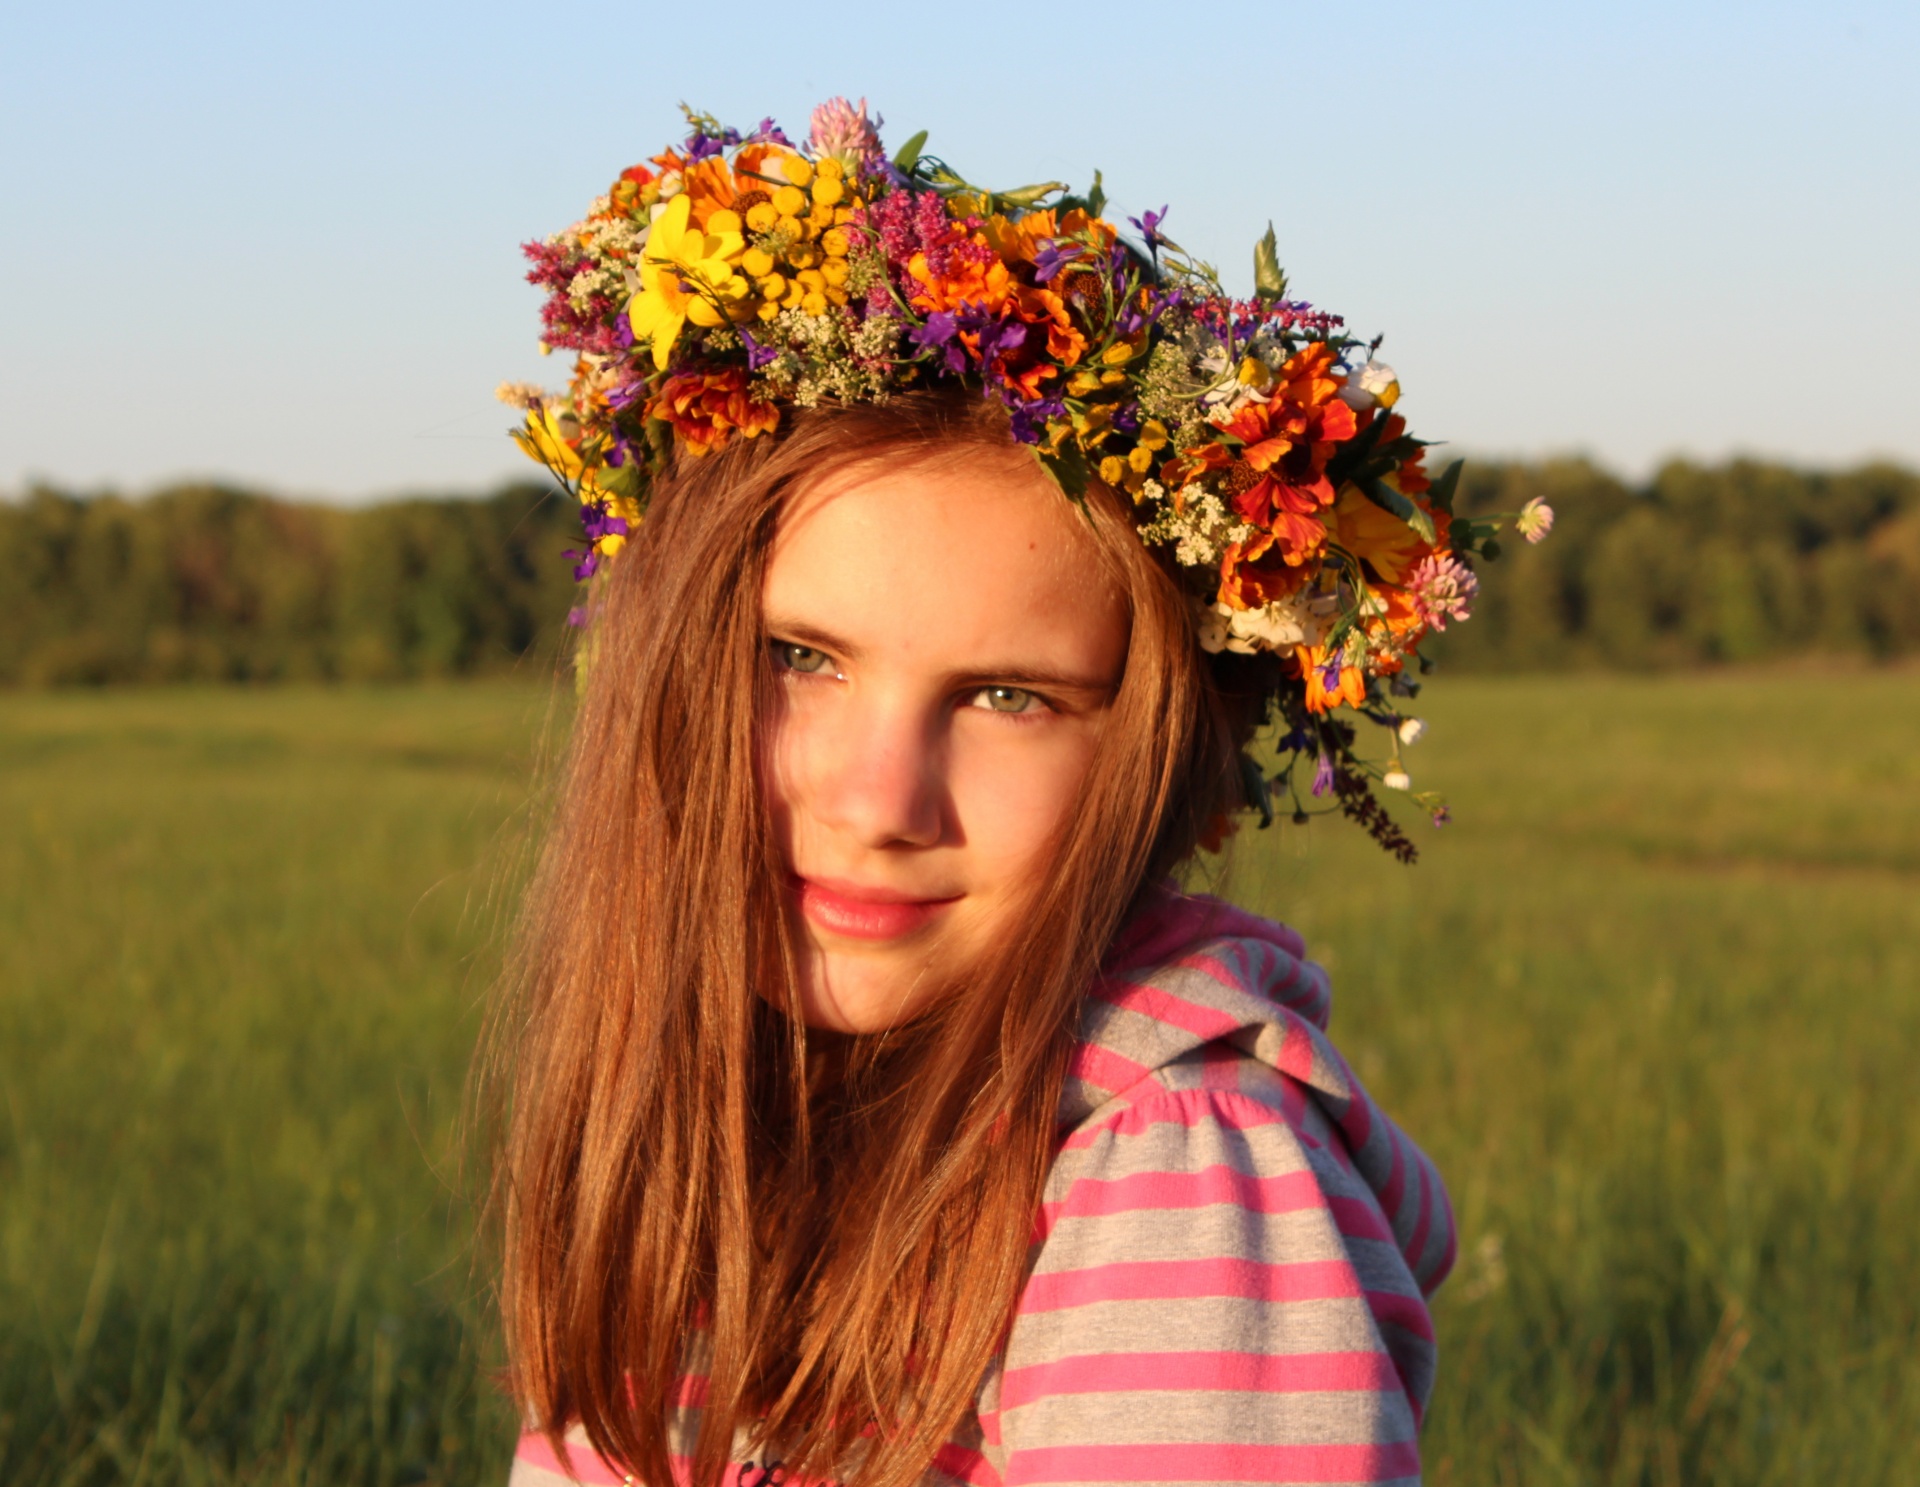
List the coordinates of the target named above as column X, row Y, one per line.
column 799, row 632
column 1035, row 679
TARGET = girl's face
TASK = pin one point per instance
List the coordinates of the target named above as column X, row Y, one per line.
column 945, row 645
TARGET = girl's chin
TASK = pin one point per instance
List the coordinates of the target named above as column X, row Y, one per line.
column 866, row 991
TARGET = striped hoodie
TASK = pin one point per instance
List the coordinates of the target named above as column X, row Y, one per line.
column 1232, row 1254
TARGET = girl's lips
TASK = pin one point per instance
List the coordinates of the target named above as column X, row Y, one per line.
column 856, row 912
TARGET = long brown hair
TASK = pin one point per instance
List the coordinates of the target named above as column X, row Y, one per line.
column 845, row 1222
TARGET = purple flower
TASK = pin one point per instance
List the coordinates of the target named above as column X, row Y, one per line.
column 941, row 334
column 577, row 616
column 1323, row 775
column 596, row 523
column 1052, row 258
column 588, row 565
column 1126, row 418
column 998, row 337
column 1030, row 420
column 704, row 146
column 768, row 133
column 757, row 355
column 1147, row 224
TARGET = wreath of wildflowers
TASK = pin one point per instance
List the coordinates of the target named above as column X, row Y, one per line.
column 739, row 275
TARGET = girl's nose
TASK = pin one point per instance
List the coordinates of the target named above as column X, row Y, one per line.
column 883, row 780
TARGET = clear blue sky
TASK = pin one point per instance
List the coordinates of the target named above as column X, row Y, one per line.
column 277, row 243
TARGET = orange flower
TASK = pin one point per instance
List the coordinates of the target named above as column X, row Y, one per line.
column 1190, row 464
column 705, row 408
column 1289, row 438
column 710, row 187
column 968, row 281
column 1039, row 305
column 1269, row 566
column 1018, row 240
column 1348, row 685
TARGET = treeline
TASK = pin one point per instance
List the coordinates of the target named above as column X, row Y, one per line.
column 204, row 583
column 1738, row 562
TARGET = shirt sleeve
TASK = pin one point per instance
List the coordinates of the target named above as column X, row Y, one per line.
column 1216, row 1296
column 535, row 1463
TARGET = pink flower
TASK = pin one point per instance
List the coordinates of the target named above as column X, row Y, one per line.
column 841, row 129
column 1535, row 520
column 1442, row 589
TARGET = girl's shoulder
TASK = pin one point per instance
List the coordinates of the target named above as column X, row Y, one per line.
column 1192, row 982
column 1209, row 1024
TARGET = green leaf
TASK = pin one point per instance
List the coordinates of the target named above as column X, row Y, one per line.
column 1441, row 495
column 1259, row 794
column 1068, row 467
column 1269, row 279
column 1388, row 499
column 1096, row 197
column 908, row 155
column 620, row 480
column 1026, row 196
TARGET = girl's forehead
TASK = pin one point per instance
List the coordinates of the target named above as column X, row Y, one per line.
column 936, row 559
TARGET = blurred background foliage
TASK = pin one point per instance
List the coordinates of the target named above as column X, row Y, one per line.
column 1739, row 562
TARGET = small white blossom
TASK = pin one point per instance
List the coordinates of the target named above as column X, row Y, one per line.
column 1212, row 627
column 1299, row 619
column 1411, row 731
column 521, row 394
column 1396, row 779
column 1376, row 382
column 1196, row 523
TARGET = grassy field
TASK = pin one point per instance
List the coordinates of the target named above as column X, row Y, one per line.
column 1651, row 1003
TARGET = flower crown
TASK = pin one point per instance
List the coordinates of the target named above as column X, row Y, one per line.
column 740, row 275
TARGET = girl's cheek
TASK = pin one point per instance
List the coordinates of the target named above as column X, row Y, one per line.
column 1011, row 795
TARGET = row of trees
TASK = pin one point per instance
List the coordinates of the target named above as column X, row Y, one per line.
column 1734, row 563
column 1739, row 562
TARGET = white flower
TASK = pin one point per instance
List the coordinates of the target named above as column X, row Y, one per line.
column 1411, row 730
column 1299, row 619
column 1376, row 382
column 1535, row 520
column 521, row 394
column 1213, row 630
column 1396, row 779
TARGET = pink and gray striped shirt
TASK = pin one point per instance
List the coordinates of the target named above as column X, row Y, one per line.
column 1232, row 1254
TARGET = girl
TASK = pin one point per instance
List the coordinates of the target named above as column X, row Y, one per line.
column 880, row 1112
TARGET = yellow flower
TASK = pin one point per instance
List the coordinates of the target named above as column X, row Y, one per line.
column 681, row 267
column 1113, row 469
column 789, row 201
column 544, row 438
column 1153, row 434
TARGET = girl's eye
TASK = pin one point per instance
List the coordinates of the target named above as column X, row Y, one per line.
column 803, row 658
column 1007, row 700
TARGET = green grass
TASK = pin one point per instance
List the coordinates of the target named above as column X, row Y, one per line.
column 1651, row 1003
column 240, row 946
